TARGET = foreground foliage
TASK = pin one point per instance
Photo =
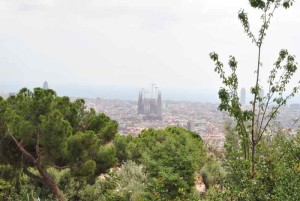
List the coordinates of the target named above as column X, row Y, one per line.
column 277, row 174
column 171, row 158
column 40, row 130
column 53, row 148
column 253, row 123
column 259, row 166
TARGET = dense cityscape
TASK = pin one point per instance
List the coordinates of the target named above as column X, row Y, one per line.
column 204, row 118
column 152, row 111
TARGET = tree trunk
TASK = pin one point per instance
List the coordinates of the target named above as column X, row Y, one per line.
column 253, row 160
column 56, row 191
column 49, row 181
column 45, row 178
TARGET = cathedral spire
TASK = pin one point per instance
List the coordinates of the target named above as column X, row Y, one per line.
column 159, row 105
column 140, row 103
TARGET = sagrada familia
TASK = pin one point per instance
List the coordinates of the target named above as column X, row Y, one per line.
column 150, row 108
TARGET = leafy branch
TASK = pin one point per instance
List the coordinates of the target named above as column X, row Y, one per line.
column 252, row 124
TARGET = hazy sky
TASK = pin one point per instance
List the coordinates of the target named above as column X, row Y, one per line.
column 132, row 42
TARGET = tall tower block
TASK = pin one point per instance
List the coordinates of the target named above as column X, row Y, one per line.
column 159, row 105
column 261, row 92
column 45, row 85
column 243, row 96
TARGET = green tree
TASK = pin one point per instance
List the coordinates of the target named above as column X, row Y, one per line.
column 40, row 130
column 171, row 157
column 252, row 124
column 132, row 181
column 121, row 143
column 277, row 173
column 212, row 172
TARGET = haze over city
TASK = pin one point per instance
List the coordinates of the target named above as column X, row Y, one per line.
column 116, row 100
column 112, row 49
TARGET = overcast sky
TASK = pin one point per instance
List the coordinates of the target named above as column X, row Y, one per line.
column 132, row 42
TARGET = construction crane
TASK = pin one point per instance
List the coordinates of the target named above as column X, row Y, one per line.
column 152, row 85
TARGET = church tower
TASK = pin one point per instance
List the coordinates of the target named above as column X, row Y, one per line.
column 159, row 105
column 140, row 104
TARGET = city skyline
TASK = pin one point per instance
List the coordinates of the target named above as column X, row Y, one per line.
column 131, row 93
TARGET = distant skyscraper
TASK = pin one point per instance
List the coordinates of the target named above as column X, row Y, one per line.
column 45, row 85
column 191, row 125
column 159, row 105
column 261, row 93
column 243, row 96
